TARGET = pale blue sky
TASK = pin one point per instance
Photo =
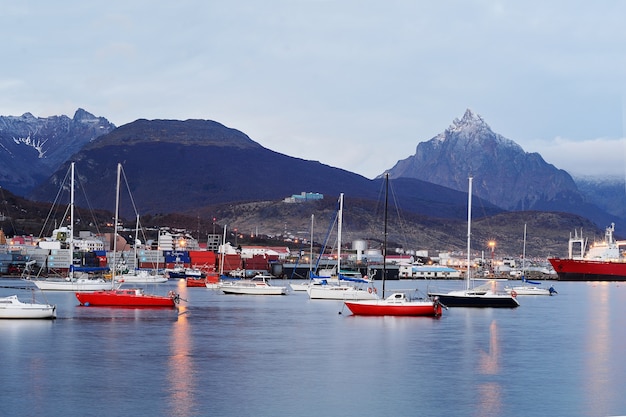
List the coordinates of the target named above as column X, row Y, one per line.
column 355, row 84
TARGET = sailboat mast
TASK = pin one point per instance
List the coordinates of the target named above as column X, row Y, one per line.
column 524, row 255
column 469, row 232
column 385, row 234
column 117, row 210
column 339, row 226
column 136, row 266
column 311, row 248
column 71, row 242
column 223, row 250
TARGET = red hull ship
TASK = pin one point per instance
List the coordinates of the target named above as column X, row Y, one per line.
column 132, row 297
column 603, row 261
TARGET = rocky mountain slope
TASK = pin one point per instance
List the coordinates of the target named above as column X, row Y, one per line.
column 503, row 173
column 32, row 148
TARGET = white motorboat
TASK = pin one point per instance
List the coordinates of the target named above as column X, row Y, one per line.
column 258, row 285
column 12, row 308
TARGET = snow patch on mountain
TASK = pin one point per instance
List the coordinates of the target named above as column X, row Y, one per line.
column 36, row 144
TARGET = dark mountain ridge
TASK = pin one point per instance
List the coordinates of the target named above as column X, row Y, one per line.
column 173, row 166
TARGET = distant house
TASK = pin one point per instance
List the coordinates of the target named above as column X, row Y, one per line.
column 304, row 197
column 280, row 252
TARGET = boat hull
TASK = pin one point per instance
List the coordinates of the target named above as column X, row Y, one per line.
column 234, row 289
column 124, row 298
column 521, row 290
column 12, row 308
column 196, row 282
column 587, row 270
column 476, row 300
column 82, row 285
column 382, row 308
column 341, row 292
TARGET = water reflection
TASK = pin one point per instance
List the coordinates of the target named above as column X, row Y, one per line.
column 490, row 393
column 180, row 368
column 598, row 360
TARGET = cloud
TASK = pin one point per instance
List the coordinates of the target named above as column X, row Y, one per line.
column 594, row 157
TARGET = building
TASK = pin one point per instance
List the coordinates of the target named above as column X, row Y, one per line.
column 304, row 197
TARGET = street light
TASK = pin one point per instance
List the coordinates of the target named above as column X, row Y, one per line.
column 492, row 245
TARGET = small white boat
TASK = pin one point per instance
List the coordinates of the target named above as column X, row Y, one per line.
column 12, row 308
column 341, row 292
column 72, row 284
column 258, row 285
column 529, row 288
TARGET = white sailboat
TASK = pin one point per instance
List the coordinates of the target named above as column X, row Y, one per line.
column 340, row 291
column 72, row 282
column 12, row 308
column 303, row 286
column 528, row 287
column 140, row 276
column 485, row 295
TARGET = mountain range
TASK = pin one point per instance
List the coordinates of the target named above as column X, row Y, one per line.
column 201, row 167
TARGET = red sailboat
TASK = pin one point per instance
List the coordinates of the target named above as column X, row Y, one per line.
column 124, row 297
column 397, row 304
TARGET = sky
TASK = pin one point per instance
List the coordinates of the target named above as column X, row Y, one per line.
column 354, row 84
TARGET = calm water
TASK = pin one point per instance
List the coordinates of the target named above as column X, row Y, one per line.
column 226, row 355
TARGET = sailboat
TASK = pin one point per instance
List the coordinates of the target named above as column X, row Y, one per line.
column 11, row 307
column 528, row 287
column 398, row 303
column 124, row 297
column 302, row 286
column 140, row 276
column 331, row 291
column 72, row 282
column 481, row 296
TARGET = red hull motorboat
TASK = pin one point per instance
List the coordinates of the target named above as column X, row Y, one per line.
column 132, row 297
column 396, row 304
column 196, row 282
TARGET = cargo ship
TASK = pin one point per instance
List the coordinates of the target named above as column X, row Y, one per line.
column 602, row 262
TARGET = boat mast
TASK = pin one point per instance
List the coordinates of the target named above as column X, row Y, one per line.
column 71, row 242
column 339, row 225
column 385, row 233
column 524, row 256
column 223, row 250
column 117, row 209
column 311, row 248
column 469, row 232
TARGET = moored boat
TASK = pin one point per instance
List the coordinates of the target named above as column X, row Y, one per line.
column 258, row 285
column 12, row 308
column 485, row 295
column 602, row 262
column 126, row 297
column 397, row 304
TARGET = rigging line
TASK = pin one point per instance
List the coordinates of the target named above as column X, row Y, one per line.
column 330, row 228
column 401, row 222
column 89, row 206
column 54, row 206
column 132, row 200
